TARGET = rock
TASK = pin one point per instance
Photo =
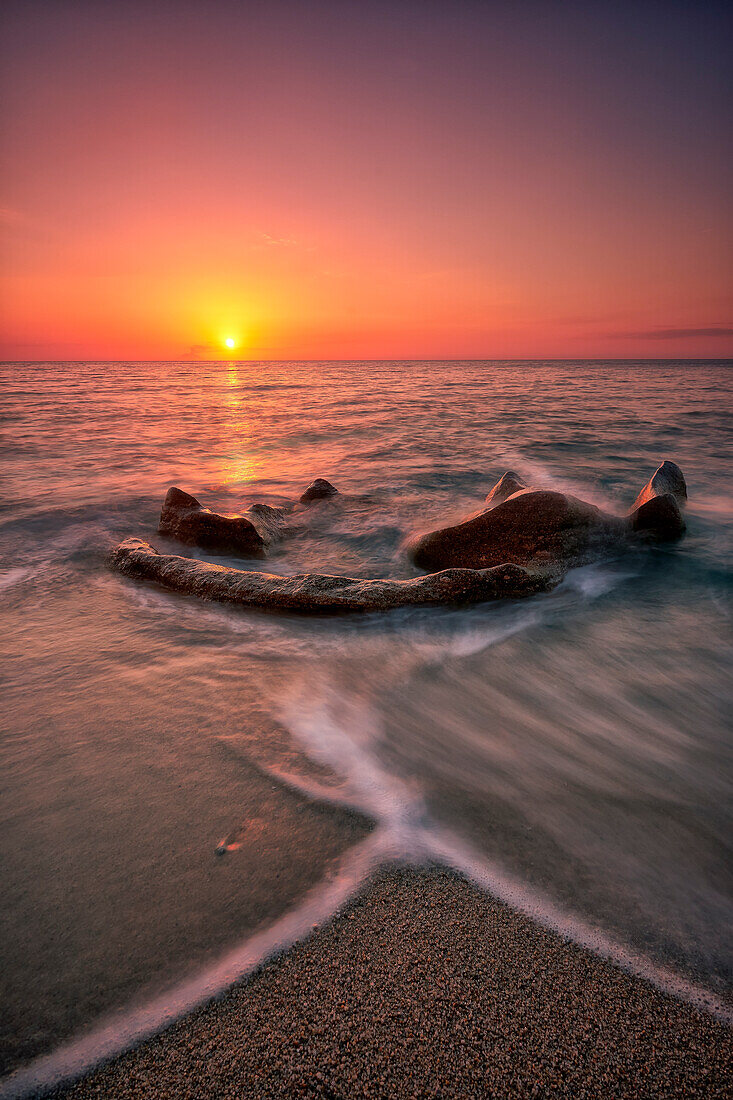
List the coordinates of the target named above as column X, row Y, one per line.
column 269, row 521
column 185, row 519
column 540, row 529
column 522, row 542
column 659, row 518
column 318, row 490
column 318, row 593
column 657, row 511
column 507, row 485
column 666, row 479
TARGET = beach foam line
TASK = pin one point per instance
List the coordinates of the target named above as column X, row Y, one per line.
column 127, row 1028
column 346, row 744
column 130, row 1027
column 447, row 848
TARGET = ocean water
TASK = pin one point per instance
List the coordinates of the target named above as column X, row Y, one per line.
column 571, row 751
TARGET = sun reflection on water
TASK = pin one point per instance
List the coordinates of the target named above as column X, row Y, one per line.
column 238, row 462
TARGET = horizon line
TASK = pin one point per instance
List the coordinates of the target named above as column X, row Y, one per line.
column 413, row 359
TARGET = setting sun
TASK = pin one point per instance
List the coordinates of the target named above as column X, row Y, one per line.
column 229, row 342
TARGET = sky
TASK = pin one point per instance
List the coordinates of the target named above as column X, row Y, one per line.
column 398, row 180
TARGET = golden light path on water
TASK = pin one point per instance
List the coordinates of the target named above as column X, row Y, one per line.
column 239, row 465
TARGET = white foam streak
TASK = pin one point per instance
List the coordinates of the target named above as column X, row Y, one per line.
column 536, row 473
column 415, row 838
column 340, row 732
column 13, row 577
column 123, row 1030
column 447, row 848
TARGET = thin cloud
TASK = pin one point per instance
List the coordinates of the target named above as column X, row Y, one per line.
column 676, row 333
column 198, row 349
column 266, row 240
column 279, row 242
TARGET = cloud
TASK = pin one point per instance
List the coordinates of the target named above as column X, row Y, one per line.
column 9, row 217
column 676, row 333
column 196, row 350
column 266, row 240
column 279, row 242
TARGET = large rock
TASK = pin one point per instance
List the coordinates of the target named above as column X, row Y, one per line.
column 507, row 485
column 185, row 519
column 318, row 593
column 657, row 511
column 539, row 529
column 319, row 489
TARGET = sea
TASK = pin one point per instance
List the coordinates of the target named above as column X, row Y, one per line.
column 189, row 787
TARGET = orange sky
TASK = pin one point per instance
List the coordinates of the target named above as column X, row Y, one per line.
column 387, row 181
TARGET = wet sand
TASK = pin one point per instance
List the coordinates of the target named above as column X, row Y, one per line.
column 424, row 986
column 112, row 815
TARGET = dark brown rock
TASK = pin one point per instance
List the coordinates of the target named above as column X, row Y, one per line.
column 539, row 529
column 318, row 490
column 659, row 518
column 270, row 522
column 657, row 511
column 317, row 593
column 507, row 485
column 185, row 519
column 666, row 479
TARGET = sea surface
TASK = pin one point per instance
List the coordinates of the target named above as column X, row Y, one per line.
column 186, row 785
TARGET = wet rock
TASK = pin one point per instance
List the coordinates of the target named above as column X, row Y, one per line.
column 659, row 518
column 657, row 511
column 318, row 593
column 185, row 519
column 319, row 489
column 539, row 529
column 666, row 479
column 522, row 542
column 270, row 521
column 507, row 485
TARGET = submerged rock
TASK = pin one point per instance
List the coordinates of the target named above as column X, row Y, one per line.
column 318, row 490
column 507, row 485
column 318, row 593
column 657, row 511
column 539, row 529
column 185, row 519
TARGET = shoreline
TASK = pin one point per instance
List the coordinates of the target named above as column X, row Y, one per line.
column 423, row 984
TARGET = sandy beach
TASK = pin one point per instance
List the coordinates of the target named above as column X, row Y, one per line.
column 426, row 986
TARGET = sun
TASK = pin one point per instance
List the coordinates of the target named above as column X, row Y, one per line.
column 230, row 342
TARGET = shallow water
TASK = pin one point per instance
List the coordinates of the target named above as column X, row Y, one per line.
column 575, row 744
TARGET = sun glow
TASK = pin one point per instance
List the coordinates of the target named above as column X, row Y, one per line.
column 230, row 342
